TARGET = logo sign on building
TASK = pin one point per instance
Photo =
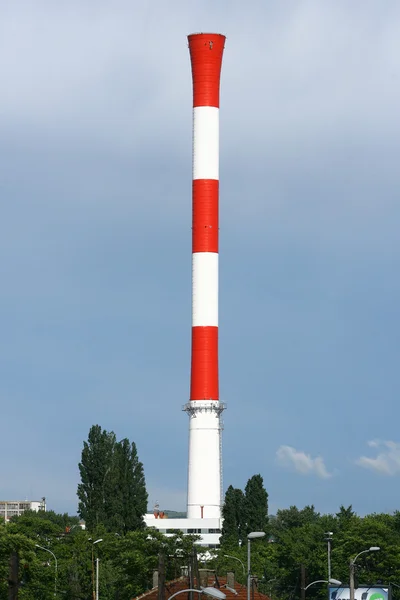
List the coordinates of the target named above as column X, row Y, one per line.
column 360, row 593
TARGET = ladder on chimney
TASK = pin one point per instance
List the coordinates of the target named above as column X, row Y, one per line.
column 221, row 483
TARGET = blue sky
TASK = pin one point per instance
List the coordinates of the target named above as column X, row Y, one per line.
column 95, row 244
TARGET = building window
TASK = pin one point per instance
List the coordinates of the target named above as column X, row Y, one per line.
column 194, row 531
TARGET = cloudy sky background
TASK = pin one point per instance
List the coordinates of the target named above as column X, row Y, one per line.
column 95, row 244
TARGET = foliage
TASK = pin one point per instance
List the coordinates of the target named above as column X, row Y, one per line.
column 126, row 562
column 244, row 512
column 112, row 491
column 128, row 503
column 232, row 513
column 298, row 537
column 255, row 506
column 96, row 468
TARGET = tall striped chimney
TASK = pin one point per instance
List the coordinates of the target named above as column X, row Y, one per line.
column 204, row 408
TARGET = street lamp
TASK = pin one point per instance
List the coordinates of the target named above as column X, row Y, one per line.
column 95, row 594
column 329, row 535
column 352, row 567
column 330, row 580
column 56, row 567
column 270, row 587
column 238, row 559
column 251, row 536
column 395, row 585
column 210, row 591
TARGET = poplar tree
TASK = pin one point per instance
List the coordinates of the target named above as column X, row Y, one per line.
column 255, row 506
column 95, row 470
column 112, row 491
column 129, row 498
column 232, row 513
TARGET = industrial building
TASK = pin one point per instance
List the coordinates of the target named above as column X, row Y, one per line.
column 15, row 508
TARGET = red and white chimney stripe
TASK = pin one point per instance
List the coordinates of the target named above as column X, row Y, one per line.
column 206, row 52
column 206, row 56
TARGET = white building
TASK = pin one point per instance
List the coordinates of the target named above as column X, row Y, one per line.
column 13, row 508
column 208, row 529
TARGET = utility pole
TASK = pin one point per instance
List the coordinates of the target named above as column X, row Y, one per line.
column 303, row 582
column 161, row 576
column 13, row 577
column 193, row 574
column 93, row 590
column 352, row 569
column 253, row 587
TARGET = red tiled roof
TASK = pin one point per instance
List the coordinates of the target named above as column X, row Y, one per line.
column 171, row 587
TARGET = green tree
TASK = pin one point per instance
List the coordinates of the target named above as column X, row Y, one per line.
column 112, row 491
column 96, row 473
column 45, row 530
column 136, row 557
column 12, row 541
column 128, row 502
column 35, row 525
column 255, row 506
column 290, row 518
column 232, row 513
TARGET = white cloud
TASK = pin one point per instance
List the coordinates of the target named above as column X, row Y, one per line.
column 303, row 463
column 387, row 461
column 374, row 443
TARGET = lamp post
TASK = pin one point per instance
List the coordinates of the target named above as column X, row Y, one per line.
column 330, row 580
column 97, row 578
column 95, row 593
column 210, row 591
column 395, row 585
column 329, row 535
column 352, row 567
column 56, row 567
column 238, row 559
column 251, row 536
column 270, row 587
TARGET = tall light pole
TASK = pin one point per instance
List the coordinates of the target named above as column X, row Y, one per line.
column 251, row 536
column 56, row 566
column 329, row 535
column 330, row 580
column 95, row 594
column 97, row 578
column 270, row 587
column 210, row 591
column 395, row 585
column 352, row 568
column 238, row 559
